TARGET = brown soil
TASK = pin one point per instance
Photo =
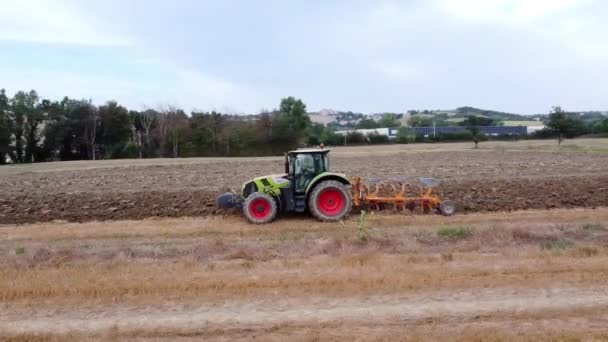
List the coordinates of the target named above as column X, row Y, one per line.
column 475, row 180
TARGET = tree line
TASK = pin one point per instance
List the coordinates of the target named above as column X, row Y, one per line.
column 33, row 129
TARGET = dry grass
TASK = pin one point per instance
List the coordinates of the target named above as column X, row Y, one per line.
column 293, row 227
column 60, row 269
column 342, row 276
column 212, row 258
column 524, row 326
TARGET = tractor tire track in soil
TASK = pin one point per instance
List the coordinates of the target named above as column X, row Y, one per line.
column 469, row 196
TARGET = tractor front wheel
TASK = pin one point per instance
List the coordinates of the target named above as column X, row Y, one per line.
column 330, row 201
column 260, row 208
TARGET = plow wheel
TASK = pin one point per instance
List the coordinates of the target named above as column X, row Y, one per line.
column 260, row 208
column 447, row 208
column 330, row 201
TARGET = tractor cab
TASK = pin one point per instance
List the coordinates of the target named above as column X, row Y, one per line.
column 302, row 166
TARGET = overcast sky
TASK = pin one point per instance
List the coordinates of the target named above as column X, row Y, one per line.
column 372, row 56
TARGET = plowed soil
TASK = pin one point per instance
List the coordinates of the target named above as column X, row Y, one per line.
column 484, row 180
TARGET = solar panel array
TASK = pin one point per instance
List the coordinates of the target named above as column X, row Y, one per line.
column 489, row 130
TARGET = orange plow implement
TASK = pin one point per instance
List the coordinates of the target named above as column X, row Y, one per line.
column 396, row 194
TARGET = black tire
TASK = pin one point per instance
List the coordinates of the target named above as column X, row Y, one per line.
column 330, row 201
column 260, row 208
column 228, row 201
column 447, row 208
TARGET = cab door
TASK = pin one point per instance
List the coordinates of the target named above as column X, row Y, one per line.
column 304, row 171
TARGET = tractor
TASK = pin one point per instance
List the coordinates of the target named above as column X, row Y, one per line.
column 308, row 185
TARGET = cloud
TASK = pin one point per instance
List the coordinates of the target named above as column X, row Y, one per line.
column 192, row 88
column 53, row 22
column 400, row 71
column 184, row 88
column 570, row 24
column 197, row 89
column 517, row 54
column 151, row 80
column 57, row 84
column 509, row 12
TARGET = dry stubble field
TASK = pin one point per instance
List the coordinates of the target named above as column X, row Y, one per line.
column 485, row 275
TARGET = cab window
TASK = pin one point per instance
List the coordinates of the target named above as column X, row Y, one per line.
column 305, row 164
column 319, row 163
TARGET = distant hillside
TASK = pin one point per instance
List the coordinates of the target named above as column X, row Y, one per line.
column 450, row 117
column 348, row 119
column 466, row 111
column 337, row 119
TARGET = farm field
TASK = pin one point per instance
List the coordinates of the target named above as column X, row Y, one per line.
column 135, row 249
column 499, row 176
column 484, row 276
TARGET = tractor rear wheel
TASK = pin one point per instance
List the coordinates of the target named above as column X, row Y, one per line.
column 260, row 208
column 330, row 201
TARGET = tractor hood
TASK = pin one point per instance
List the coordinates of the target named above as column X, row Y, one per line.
column 270, row 184
column 279, row 178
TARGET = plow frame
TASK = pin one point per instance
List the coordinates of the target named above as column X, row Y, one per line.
column 364, row 196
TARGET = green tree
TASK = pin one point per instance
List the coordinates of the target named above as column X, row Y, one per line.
column 217, row 123
column 367, row 123
column 564, row 124
column 602, row 126
column 147, row 120
column 405, row 136
column 246, row 140
column 355, row 138
column 420, row 121
column 264, row 124
column 206, row 130
column 389, row 120
column 314, row 133
column 70, row 130
column 17, row 111
column 137, row 130
column 114, row 130
column 376, row 138
column 34, row 120
column 200, row 134
column 473, row 123
column 293, row 116
column 331, row 138
column 27, row 117
column 58, row 136
column 5, row 127
column 178, row 127
column 319, row 134
column 283, row 137
column 479, row 121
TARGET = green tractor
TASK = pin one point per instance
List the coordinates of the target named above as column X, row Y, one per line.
column 307, row 185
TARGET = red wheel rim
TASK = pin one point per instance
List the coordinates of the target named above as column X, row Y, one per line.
column 259, row 208
column 331, row 202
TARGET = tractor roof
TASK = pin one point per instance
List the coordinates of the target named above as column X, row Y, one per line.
column 308, row 150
